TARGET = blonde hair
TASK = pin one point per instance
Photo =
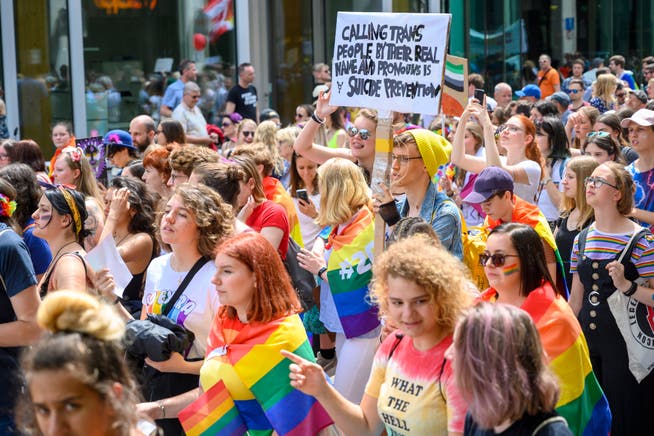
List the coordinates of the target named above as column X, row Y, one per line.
column 85, row 183
column 343, row 191
column 625, row 183
column 417, row 259
column 582, row 166
column 604, row 88
column 84, row 340
column 266, row 134
column 288, row 134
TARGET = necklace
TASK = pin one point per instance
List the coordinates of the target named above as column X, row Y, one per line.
column 56, row 256
column 122, row 239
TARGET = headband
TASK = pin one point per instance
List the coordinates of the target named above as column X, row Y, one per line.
column 73, row 208
column 7, row 206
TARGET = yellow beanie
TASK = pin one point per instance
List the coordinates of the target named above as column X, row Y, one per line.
column 434, row 149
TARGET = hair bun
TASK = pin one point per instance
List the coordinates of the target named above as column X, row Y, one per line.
column 73, row 311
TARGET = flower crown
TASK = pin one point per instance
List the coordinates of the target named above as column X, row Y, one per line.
column 7, row 207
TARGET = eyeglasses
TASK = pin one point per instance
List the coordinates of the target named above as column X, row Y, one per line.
column 246, row 134
column 574, row 91
column 621, row 94
column 511, row 128
column 598, row 134
column 195, row 97
column 227, row 124
column 299, row 116
column 363, row 133
column 404, row 159
column 597, row 182
column 497, row 259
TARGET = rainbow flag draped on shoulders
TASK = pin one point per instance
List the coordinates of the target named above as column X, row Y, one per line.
column 527, row 213
column 256, row 396
column 582, row 402
column 349, row 271
column 275, row 192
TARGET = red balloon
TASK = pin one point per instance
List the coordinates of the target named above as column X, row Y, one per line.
column 199, row 41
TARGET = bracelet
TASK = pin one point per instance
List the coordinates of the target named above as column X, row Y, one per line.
column 163, row 408
column 632, row 289
column 317, row 119
column 546, row 181
column 321, row 271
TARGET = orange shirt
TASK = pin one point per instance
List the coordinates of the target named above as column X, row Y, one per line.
column 547, row 81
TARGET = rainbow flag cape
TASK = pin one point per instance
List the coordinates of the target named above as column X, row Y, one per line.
column 253, row 351
column 276, row 193
column 349, row 271
column 582, row 402
column 527, row 213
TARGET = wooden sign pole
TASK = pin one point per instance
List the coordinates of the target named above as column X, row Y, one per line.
column 382, row 170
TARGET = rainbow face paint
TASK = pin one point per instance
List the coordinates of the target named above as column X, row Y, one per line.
column 508, row 270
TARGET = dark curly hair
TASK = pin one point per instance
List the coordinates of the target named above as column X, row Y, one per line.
column 143, row 203
column 23, row 179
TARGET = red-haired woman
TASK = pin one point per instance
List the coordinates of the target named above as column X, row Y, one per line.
column 157, row 172
column 518, row 137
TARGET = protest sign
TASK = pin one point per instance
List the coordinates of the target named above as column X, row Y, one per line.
column 455, row 88
column 385, row 60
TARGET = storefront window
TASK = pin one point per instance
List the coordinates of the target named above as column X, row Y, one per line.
column 42, row 63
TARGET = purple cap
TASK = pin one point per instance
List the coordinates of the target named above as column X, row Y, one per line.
column 529, row 91
column 490, row 181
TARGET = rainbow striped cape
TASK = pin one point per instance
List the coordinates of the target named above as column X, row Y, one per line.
column 527, row 213
column 276, row 193
column 252, row 354
column 349, row 271
column 582, row 402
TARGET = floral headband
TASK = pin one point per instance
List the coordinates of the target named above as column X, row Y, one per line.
column 7, row 206
column 75, row 153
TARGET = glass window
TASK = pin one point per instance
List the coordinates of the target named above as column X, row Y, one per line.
column 42, row 63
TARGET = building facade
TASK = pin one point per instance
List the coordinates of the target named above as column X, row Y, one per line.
column 98, row 63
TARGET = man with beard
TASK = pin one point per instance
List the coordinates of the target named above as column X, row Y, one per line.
column 417, row 155
column 142, row 129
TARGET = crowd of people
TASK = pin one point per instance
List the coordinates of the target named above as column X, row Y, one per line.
column 513, row 293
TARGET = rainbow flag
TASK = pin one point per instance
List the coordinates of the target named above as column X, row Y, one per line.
column 582, row 402
column 527, row 213
column 253, row 351
column 349, row 271
column 214, row 413
column 276, row 193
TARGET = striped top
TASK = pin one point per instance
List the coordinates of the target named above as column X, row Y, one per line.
column 605, row 246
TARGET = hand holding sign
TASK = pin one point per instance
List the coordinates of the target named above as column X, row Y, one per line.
column 323, row 108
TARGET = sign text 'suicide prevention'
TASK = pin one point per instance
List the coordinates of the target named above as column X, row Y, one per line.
column 389, row 61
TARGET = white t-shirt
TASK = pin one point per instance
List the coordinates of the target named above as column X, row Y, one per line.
column 523, row 190
column 308, row 227
column 545, row 204
column 194, row 309
column 192, row 120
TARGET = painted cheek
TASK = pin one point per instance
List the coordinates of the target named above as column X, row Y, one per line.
column 509, row 270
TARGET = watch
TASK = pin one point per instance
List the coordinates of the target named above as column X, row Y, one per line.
column 321, row 271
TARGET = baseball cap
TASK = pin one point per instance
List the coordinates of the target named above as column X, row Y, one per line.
column 119, row 138
column 529, row 91
column 268, row 114
column 560, row 97
column 490, row 181
column 640, row 95
column 642, row 117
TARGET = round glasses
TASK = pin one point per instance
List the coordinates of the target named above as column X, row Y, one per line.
column 363, row 133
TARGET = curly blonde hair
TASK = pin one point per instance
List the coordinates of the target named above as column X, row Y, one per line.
column 213, row 217
column 343, row 191
column 84, row 340
column 434, row 269
column 184, row 159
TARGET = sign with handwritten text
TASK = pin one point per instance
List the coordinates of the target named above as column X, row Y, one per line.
column 389, row 61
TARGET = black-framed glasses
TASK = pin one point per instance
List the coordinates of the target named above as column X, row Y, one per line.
column 403, row 160
column 497, row 259
column 246, row 134
column 574, row 91
column 598, row 134
column 363, row 133
column 597, row 182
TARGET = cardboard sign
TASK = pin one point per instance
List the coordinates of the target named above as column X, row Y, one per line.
column 389, row 61
column 455, row 88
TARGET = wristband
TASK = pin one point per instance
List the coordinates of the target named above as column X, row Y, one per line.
column 632, row 289
column 546, row 181
column 317, row 119
column 163, row 409
column 321, row 271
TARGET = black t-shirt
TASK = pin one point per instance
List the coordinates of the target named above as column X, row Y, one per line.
column 245, row 100
column 525, row 426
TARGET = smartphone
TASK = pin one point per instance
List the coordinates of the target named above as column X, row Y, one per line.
column 479, row 95
column 302, row 195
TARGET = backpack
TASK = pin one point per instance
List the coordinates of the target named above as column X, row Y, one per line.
column 474, row 243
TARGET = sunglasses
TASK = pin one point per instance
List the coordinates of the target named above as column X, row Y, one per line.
column 597, row 182
column 246, row 134
column 227, row 124
column 363, row 133
column 497, row 259
column 574, row 91
column 598, row 134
